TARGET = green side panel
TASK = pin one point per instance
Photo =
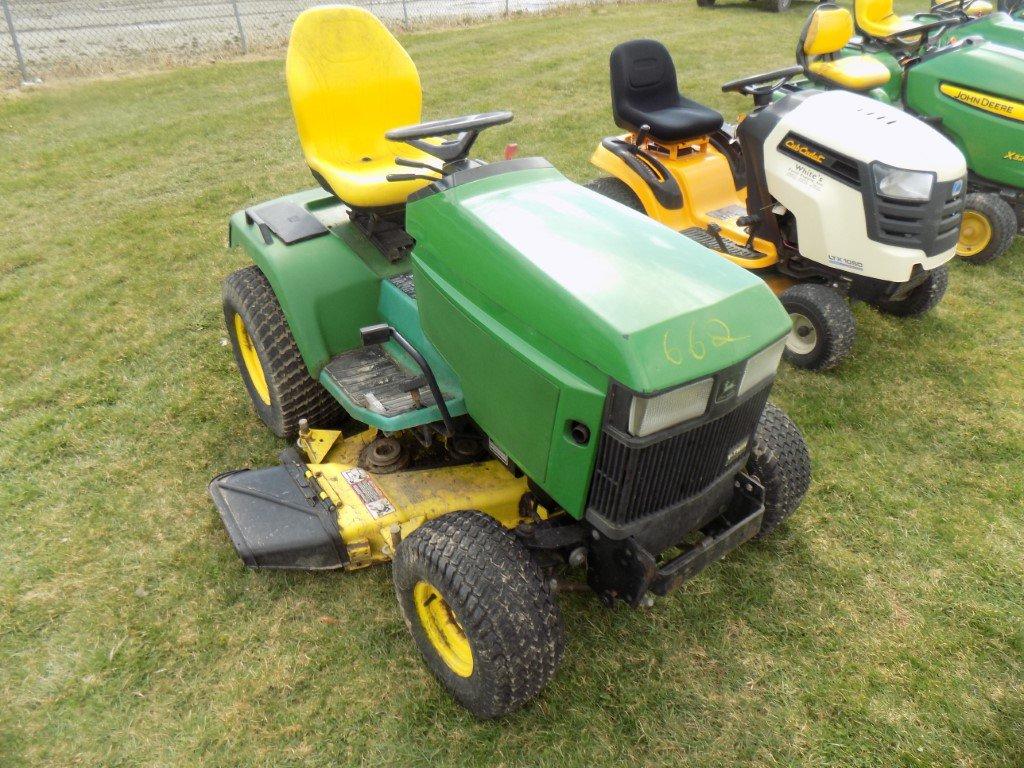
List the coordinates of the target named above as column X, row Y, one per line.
column 327, row 289
column 990, row 142
column 519, row 387
column 646, row 305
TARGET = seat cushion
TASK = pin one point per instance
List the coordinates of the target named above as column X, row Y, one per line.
column 876, row 18
column 364, row 184
column 857, row 73
column 684, row 120
column 979, row 8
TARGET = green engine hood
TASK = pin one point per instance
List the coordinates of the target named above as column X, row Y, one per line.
column 995, row 27
column 639, row 302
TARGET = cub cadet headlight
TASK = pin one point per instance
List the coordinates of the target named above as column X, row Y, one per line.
column 903, row 185
column 648, row 415
column 761, row 366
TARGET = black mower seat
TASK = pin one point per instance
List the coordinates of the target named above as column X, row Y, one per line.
column 644, row 92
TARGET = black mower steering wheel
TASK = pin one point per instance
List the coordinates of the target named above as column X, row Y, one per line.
column 762, row 86
column 916, row 38
column 465, row 129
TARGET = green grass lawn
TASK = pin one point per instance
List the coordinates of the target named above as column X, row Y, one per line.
column 883, row 626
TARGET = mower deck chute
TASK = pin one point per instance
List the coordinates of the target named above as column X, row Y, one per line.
column 275, row 522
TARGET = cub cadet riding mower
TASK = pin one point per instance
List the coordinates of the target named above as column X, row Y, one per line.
column 970, row 89
column 825, row 195
column 540, row 382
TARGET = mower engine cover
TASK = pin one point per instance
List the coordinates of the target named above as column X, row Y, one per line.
column 542, row 296
column 874, row 191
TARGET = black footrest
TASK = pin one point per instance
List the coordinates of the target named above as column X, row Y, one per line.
column 371, row 378
column 708, row 240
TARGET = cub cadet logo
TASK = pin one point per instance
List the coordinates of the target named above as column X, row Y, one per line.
column 804, row 151
column 1012, row 110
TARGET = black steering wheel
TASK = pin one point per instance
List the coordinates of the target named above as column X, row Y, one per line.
column 762, row 86
column 465, row 129
column 917, row 37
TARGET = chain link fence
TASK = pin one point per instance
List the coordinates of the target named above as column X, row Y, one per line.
column 65, row 38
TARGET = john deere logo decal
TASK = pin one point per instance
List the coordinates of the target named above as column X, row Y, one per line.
column 804, row 151
column 726, row 389
column 1017, row 157
column 1011, row 110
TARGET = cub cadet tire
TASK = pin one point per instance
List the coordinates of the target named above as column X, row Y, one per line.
column 988, row 228
column 480, row 611
column 617, row 190
column 779, row 460
column 776, row 6
column 921, row 299
column 279, row 384
column 823, row 326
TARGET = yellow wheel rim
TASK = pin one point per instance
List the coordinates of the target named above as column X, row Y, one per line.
column 253, row 366
column 442, row 629
column 975, row 234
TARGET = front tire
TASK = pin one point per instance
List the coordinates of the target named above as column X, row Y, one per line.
column 988, row 228
column 617, row 190
column 921, row 298
column 705, row 3
column 480, row 611
column 776, row 6
column 823, row 326
column 279, row 384
column 781, row 463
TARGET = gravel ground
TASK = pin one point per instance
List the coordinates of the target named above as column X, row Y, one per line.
column 61, row 38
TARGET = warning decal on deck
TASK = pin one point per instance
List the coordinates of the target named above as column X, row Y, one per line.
column 373, row 498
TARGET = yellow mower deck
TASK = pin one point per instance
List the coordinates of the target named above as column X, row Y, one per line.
column 322, row 510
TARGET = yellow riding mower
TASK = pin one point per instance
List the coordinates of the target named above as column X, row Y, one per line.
column 492, row 377
column 828, row 196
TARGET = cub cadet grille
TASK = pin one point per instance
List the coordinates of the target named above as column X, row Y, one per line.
column 932, row 226
column 630, row 483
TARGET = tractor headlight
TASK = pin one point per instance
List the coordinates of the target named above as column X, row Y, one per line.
column 903, row 185
column 648, row 415
column 762, row 366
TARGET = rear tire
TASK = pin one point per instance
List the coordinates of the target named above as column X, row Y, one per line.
column 988, row 228
column 279, row 384
column 781, row 463
column 921, row 299
column 823, row 326
column 497, row 631
column 617, row 190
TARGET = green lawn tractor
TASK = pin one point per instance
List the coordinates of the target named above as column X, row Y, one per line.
column 970, row 89
column 879, row 26
column 497, row 380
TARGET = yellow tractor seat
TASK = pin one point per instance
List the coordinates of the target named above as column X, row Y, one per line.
column 827, row 30
column 856, row 73
column 979, row 8
column 876, row 18
column 350, row 81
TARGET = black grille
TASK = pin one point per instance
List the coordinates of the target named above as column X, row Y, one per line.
column 630, row 483
column 931, row 226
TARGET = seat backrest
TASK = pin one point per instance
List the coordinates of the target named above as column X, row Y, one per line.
column 874, row 17
column 643, row 78
column 349, row 81
column 827, row 30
